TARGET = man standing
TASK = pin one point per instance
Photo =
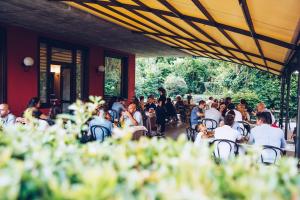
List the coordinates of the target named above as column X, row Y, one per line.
column 197, row 113
column 5, row 116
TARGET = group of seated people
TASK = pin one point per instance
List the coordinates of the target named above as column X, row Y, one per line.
column 33, row 107
column 229, row 124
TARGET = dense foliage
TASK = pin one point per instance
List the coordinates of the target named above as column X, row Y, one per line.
column 52, row 164
column 209, row 77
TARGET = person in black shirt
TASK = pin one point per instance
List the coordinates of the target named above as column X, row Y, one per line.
column 163, row 95
column 161, row 116
column 170, row 109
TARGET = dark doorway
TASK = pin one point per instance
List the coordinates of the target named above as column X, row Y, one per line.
column 3, row 75
column 62, row 74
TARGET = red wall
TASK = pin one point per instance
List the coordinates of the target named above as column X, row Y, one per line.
column 21, row 85
column 96, row 58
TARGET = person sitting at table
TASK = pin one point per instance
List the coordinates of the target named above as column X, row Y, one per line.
column 100, row 120
column 242, row 109
column 197, row 114
column 236, row 126
column 5, row 116
column 35, row 104
column 150, row 103
column 228, row 133
column 214, row 114
column 171, row 111
column 118, row 106
column 222, row 109
column 261, row 107
column 265, row 134
column 131, row 117
column 238, row 116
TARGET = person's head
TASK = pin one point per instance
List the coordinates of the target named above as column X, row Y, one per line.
column 263, row 118
column 178, row 98
column 231, row 106
column 222, row 107
column 142, row 98
column 228, row 100
column 132, row 108
column 214, row 105
column 4, row 110
column 240, row 107
column 260, row 107
column 216, row 100
column 202, row 104
column 231, row 112
column 201, row 128
column 169, row 100
column 34, row 103
column 229, row 120
column 150, row 99
column 243, row 101
column 210, row 98
column 161, row 91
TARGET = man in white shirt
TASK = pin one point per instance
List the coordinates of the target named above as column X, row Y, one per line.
column 238, row 115
column 261, row 107
column 214, row 114
column 265, row 134
column 228, row 133
column 6, row 117
column 131, row 117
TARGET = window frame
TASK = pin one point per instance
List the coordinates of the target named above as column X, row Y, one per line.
column 124, row 73
column 50, row 43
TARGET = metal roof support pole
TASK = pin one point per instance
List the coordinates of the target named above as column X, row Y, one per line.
column 287, row 102
column 282, row 100
column 297, row 145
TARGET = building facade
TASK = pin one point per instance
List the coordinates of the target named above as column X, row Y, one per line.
column 62, row 70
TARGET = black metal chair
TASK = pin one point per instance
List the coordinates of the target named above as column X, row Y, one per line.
column 210, row 124
column 105, row 132
column 246, row 127
column 114, row 115
column 271, row 150
column 233, row 148
column 191, row 134
column 243, row 131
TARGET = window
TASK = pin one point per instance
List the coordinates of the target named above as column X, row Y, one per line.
column 61, row 73
column 116, row 76
column 3, row 74
column 113, row 72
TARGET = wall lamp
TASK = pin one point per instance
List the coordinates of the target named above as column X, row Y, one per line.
column 27, row 63
column 100, row 69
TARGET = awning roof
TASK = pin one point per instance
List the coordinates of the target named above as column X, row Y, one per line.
column 257, row 33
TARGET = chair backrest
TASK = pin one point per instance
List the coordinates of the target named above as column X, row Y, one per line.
column 224, row 148
column 270, row 154
column 191, row 134
column 114, row 115
column 101, row 131
column 210, row 124
column 245, row 126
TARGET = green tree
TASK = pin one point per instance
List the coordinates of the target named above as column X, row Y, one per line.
column 175, row 85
